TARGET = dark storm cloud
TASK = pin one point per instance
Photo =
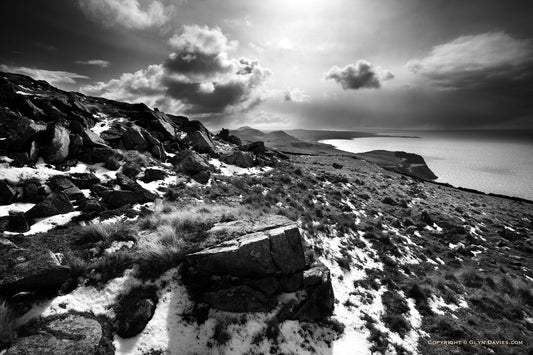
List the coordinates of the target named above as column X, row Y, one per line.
column 361, row 75
column 198, row 77
column 488, row 61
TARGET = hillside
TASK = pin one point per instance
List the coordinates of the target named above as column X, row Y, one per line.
column 125, row 230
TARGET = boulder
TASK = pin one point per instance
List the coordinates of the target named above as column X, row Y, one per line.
column 32, row 192
column 15, row 223
column 134, row 310
column 319, row 302
column 55, row 149
column 19, row 158
column 195, row 125
column 119, row 198
column 246, row 273
column 179, row 121
column 239, row 158
column 57, row 203
column 133, row 139
column 90, row 205
column 152, row 174
column 7, row 193
column 66, row 334
column 225, row 136
column 31, row 269
column 63, row 184
column 192, row 164
column 76, row 144
column 17, row 131
column 201, row 142
column 84, row 180
column 257, row 255
column 255, row 147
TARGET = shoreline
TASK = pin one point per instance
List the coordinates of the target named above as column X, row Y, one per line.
column 439, row 183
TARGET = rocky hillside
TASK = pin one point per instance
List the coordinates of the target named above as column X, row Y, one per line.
column 129, row 231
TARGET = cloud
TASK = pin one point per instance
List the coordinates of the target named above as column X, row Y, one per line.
column 200, row 51
column 296, row 95
column 198, row 77
column 492, row 60
column 361, row 75
column 95, row 62
column 256, row 48
column 128, row 13
column 51, row 76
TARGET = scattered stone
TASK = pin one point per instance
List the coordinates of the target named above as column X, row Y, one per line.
column 389, row 201
column 63, row 184
column 337, row 166
column 134, row 310
column 240, row 158
column 90, row 205
column 192, row 164
column 55, row 204
column 255, row 147
column 426, row 218
column 7, row 193
column 119, row 198
column 84, row 180
column 15, row 223
column 152, row 174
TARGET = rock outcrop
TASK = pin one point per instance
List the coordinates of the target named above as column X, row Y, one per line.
column 247, row 272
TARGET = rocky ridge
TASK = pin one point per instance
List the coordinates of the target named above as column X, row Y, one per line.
column 140, row 241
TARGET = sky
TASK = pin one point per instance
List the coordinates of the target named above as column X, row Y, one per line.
column 280, row 64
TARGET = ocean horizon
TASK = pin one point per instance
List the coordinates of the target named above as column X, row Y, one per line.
column 499, row 162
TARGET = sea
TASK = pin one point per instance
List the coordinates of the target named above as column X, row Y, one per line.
column 499, row 162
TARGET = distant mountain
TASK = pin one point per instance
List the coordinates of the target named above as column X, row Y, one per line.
column 281, row 140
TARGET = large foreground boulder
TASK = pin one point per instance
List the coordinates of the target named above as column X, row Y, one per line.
column 275, row 251
column 249, row 271
column 67, row 334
